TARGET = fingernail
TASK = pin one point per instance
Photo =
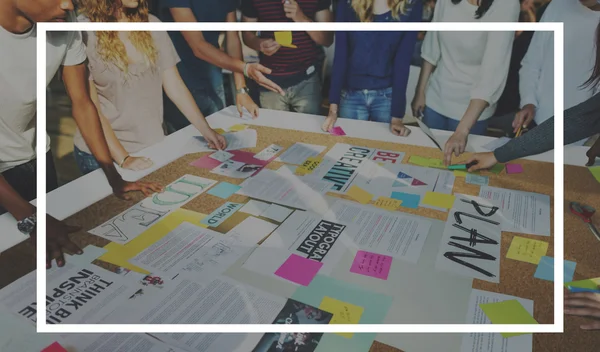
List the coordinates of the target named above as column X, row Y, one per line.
column 60, row 263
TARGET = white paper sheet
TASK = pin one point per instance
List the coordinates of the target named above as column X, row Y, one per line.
column 496, row 143
column 289, row 190
column 523, row 212
column 254, row 207
column 114, row 342
column 277, row 212
column 132, row 222
column 222, row 301
column 235, row 140
column 17, row 335
column 480, row 342
column 301, row 234
column 268, row 152
column 401, row 236
column 458, row 245
column 297, row 153
column 287, row 169
column 221, row 155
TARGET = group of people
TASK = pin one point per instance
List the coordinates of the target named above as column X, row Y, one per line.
column 128, row 89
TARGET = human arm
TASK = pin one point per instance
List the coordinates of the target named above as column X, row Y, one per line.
column 294, row 12
column 234, row 49
column 584, row 304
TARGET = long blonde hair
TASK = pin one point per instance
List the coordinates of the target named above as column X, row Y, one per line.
column 110, row 47
column 364, row 8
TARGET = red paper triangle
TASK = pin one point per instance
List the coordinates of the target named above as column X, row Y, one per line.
column 416, row 182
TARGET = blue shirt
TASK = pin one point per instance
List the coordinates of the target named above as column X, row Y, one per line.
column 374, row 60
column 194, row 71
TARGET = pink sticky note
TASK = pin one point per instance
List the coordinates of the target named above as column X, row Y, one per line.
column 55, row 347
column 337, row 131
column 299, row 270
column 514, row 168
column 372, row 264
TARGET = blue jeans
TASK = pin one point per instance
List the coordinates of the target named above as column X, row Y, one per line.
column 437, row 121
column 367, row 105
column 304, row 97
column 209, row 98
column 85, row 161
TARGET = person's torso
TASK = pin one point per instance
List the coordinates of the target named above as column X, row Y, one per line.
column 18, row 91
column 195, row 72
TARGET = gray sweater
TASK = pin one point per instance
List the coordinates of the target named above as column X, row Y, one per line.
column 581, row 121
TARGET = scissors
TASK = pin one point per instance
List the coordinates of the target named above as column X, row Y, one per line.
column 585, row 212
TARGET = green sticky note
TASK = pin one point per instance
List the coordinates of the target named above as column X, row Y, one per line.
column 437, row 163
column 375, row 308
column 595, row 170
column 507, row 312
column 419, row 160
column 591, row 284
column 497, row 168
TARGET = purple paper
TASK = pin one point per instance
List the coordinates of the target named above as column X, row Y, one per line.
column 299, row 270
column 514, row 168
column 372, row 264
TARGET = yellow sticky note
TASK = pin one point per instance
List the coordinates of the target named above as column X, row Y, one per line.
column 527, row 250
column 591, row 284
column 595, row 170
column 460, row 173
column 359, row 195
column 309, row 165
column 387, row 203
column 220, row 131
column 284, row 39
column 119, row 254
column 439, row 200
column 507, row 312
column 238, row 127
column 419, row 160
column 343, row 312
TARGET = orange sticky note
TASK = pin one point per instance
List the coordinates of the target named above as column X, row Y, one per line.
column 359, row 195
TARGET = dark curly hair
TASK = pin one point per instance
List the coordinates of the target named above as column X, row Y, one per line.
column 484, row 6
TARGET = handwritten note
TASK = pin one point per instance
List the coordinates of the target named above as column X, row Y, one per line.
column 372, row 264
column 343, row 312
column 387, row 203
column 527, row 250
column 359, row 194
column 440, row 200
column 284, row 39
column 309, row 165
column 507, row 312
column 299, row 270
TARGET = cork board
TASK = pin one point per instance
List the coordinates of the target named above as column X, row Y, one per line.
column 516, row 277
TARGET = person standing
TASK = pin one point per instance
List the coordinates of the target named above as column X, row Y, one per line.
column 297, row 65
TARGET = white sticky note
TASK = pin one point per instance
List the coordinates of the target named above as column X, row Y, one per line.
column 254, row 207
column 221, row 155
column 277, row 213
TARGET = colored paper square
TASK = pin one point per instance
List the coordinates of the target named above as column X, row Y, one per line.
column 527, row 250
column 437, row 163
column 237, row 128
column 337, row 131
column 477, row 180
column 592, row 284
column 309, row 165
column 496, row 169
column 595, row 170
column 508, row 312
column 224, row 190
column 419, row 160
column 388, row 203
column 372, row 264
column 299, row 270
column 359, row 195
column 460, row 173
column 343, row 313
column 545, row 269
column 514, row 168
column 284, row 39
column 408, row 200
column 220, row 131
column 439, row 200
column 55, row 347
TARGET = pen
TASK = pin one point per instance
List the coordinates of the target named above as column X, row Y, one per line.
column 519, row 131
column 580, row 289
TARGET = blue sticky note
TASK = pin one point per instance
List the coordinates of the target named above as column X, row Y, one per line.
column 408, row 200
column 224, row 190
column 545, row 269
column 375, row 308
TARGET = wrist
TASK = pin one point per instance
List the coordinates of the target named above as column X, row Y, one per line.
column 303, row 18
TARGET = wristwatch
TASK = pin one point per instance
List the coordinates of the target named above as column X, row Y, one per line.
column 243, row 90
column 27, row 225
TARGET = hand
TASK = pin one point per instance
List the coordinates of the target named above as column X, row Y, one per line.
column 584, row 304
column 214, row 140
column 243, row 100
column 524, row 117
column 269, row 46
column 137, row 163
column 593, row 153
column 418, row 104
column 329, row 122
column 257, row 72
column 483, row 161
column 398, row 128
column 57, row 240
column 121, row 188
column 293, row 11
column 456, row 144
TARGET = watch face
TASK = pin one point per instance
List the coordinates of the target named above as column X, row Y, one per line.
column 26, row 226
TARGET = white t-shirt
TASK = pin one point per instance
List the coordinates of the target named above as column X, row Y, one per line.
column 536, row 77
column 18, row 87
column 469, row 65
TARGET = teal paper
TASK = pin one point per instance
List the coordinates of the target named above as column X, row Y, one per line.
column 545, row 269
column 224, row 190
column 477, row 180
column 222, row 213
column 408, row 200
column 375, row 305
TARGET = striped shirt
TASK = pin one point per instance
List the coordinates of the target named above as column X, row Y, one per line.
column 287, row 62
